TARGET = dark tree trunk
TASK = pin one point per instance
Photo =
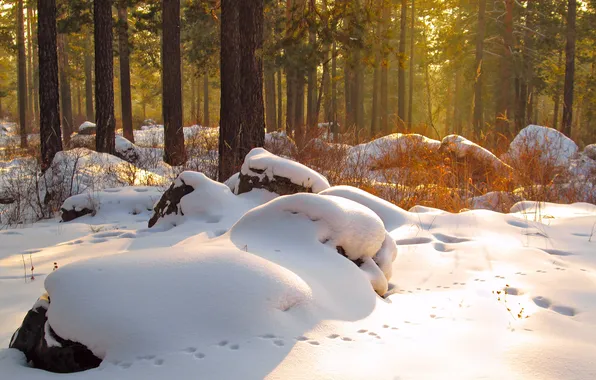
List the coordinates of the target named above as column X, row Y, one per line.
column 326, row 81
column 384, row 102
column 193, row 99
column 300, row 83
column 457, row 119
column 206, row 119
column 88, row 81
column 79, row 101
column 229, row 157
column 401, row 74
column 252, row 117
column 49, row 130
column 270, row 98
column 198, row 103
column 21, row 74
column 374, row 114
column 349, row 111
column 280, row 105
column 569, row 68
column 478, row 121
column 311, row 89
column 504, row 97
column 35, row 68
column 104, row 77
column 65, row 92
column 290, row 100
column 411, row 84
column 334, row 127
column 125, row 96
column 174, row 153
column 30, row 114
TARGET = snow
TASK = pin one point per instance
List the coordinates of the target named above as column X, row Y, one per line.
column 464, row 148
column 271, row 165
column 87, row 125
column 477, row 294
column 134, row 200
column 546, row 145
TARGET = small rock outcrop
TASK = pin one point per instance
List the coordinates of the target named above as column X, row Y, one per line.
column 45, row 349
column 72, row 214
column 170, row 200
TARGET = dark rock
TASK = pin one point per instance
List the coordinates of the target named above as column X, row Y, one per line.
column 278, row 185
column 68, row 215
column 168, row 204
column 66, row 357
column 6, row 200
column 342, row 252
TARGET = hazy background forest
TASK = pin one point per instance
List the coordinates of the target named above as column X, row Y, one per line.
column 373, row 66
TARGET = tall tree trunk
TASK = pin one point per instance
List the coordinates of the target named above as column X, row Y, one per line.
column 104, row 77
column 88, row 80
column 193, row 99
column 252, row 117
column 411, row 95
column 279, row 101
column 65, row 92
column 30, row 113
column 125, row 95
column 349, row 110
column 478, row 120
column 569, row 68
column 374, row 119
column 557, row 97
column 504, row 96
column 270, row 97
column 229, row 158
column 49, row 129
column 21, row 74
column 206, row 119
column 79, row 101
column 174, row 152
column 326, row 80
column 457, row 119
column 384, row 102
column 334, row 126
column 401, row 74
column 311, row 89
column 35, row 68
column 198, row 102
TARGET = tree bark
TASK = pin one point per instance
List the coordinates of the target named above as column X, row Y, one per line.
column 504, row 98
column 411, row 84
column 193, row 99
column 88, row 80
column 30, row 113
column 252, row 117
column 229, row 157
column 569, row 68
column 21, row 75
column 311, row 89
column 174, row 152
column 270, row 97
column 35, row 68
column 65, row 91
column 280, row 106
column 478, row 120
column 125, row 93
column 384, row 101
column 49, row 130
column 104, row 77
column 401, row 74
column 334, row 126
column 206, row 119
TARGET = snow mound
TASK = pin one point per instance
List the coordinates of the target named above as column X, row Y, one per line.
column 464, row 149
column 87, row 128
column 131, row 200
column 543, row 145
column 495, row 200
column 340, row 224
column 262, row 169
column 391, row 215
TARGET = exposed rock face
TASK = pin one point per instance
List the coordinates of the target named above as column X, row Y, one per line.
column 278, row 185
column 126, row 150
column 45, row 349
column 72, row 214
column 590, row 151
column 168, row 204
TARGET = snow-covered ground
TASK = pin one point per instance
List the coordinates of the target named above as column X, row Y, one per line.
column 250, row 287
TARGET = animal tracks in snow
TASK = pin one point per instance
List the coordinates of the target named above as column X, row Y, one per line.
column 546, row 303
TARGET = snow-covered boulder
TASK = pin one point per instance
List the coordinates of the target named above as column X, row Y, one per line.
column 45, row 349
column 132, row 200
column 87, row 128
column 126, row 150
column 339, row 224
column 263, row 170
column 500, row 201
column 590, row 151
column 546, row 147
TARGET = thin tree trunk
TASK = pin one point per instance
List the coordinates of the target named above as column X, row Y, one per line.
column 270, row 97
column 504, row 97
column 326, row 81
column 457, row 119
column 31, row 115
column 569, row 68
column 334, row 126
column 49, row 130
column 229, row 157
column 88, row 80
column 104, row 77
column 478, row 121
column 21, row 74
column 198, row 102
column 401, row 74
column 206, row 118
column 193, row 99
column 125, row 93
column 279, row 101
column 384, row 102
column 174, row 152
column 65, row 92
column 35, row 68
column 311, row 90
column 79, row 113
column 411, row 84
column 349, row 111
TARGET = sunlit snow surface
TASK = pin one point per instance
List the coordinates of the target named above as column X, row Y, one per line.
column 473, row 295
